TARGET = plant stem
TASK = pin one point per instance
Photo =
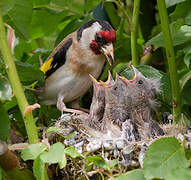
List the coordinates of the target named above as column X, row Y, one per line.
column 124, row 12
column 134, row 32
column 171, row 60
column 16, row 85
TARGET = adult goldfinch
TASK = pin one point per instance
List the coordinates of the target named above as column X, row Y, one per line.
column 68, row 67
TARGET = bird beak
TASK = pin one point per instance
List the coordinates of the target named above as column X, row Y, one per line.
column 96, row 84
column 110, row 78
column 136, row 73
column 124, row 80
column 132, row 80
column 108, row 53
column 94, row 80
column 116, row 77
column 103, row 83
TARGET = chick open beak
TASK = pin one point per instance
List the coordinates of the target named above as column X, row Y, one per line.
column 124, row 80
column 107, row 50
column 96, row 84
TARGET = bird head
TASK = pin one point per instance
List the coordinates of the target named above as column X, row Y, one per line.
column 98, row 36
column 115, row 89
column 140, row 88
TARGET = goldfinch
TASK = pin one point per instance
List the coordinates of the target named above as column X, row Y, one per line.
column 68, row 67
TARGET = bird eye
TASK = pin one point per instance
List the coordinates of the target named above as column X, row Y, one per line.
column 140, row 82
column 98, row 37
column 100, row 40
column 115, row 88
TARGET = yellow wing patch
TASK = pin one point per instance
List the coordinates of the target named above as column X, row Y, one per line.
column 47, row 65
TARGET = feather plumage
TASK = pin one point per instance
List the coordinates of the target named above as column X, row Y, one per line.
column 68, row 67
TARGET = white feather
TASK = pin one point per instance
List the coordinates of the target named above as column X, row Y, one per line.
column 87, row 37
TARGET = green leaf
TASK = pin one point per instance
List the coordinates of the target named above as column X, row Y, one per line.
column 187, row 51
column 32, row 151
column 7, row 5
column 52, row 129
column 71, row 151
column 187, row 60
column 4, row 124
column 60, row 2
column 76, row 7
column 111, row 164
column 39, row 169
column 147, row 71
column 41, row 3
column 182, row 11
column 55, row 154
column 162, row 156
column 101, row 163
column 45, row 22
column 71, row 135
column 188, row 18
column 179, row 174
column 122, row 47
column 166, row 89
column 34, row 60
column 188, row 154
column 131, row 175
column 112, row 13
column 22, row 50
column 73, row 25
column 89, row 5
column 1, row 173
column 19, row 17
column 184, row 79
column 182, row 36
column 173, row 2
column 63, row 162
column 5, row 90
column 96, row 160
column 119, row 68
column 29, row 74
column 186, row 92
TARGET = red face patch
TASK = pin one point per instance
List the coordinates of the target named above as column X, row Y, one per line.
column 94, row 47
column 109, row 36
column 105, row 37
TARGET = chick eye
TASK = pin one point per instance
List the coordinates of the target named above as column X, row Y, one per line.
column 140, row 82
column 115, row 88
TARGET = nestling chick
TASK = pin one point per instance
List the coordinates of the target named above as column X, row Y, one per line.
column 97, row 124
column 118, row 108
column 68, row 67
column 122, row 108
column 97, row 107
column 143, row 91
column 117, row 102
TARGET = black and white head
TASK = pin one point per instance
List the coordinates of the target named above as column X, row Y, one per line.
column 97, row 36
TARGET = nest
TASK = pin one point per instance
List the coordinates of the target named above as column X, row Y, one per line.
column 129, row 154
column 119, row 126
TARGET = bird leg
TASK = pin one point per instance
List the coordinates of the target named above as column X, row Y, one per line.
column 62, row 107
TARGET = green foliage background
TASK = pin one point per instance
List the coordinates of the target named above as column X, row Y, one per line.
column 39, row 25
